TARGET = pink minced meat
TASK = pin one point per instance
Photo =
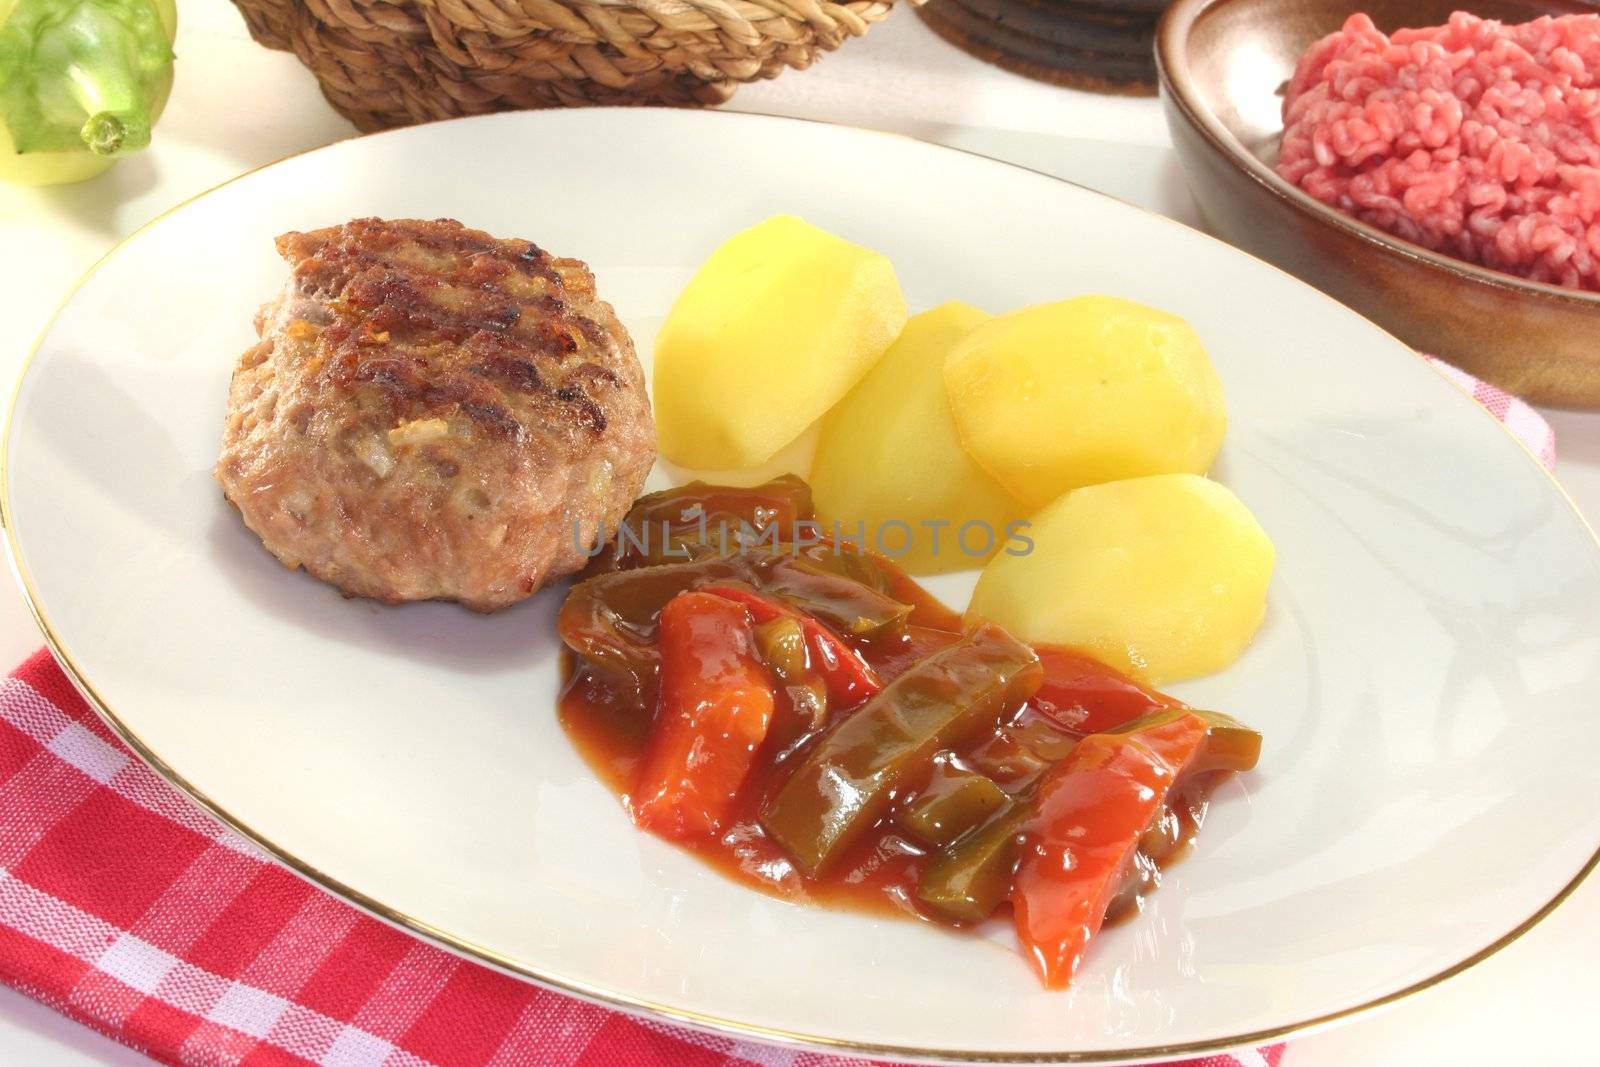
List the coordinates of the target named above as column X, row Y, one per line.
column 1474, row 138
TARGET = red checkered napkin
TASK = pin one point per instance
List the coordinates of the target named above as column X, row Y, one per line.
column 1525, row 424
column 130, row 910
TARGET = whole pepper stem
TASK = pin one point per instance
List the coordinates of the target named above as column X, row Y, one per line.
column 107, row 133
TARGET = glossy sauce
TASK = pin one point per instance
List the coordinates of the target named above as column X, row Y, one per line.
column 611, row 726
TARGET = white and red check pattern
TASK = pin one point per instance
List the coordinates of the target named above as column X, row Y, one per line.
column 1525, row 424
column 128, row 909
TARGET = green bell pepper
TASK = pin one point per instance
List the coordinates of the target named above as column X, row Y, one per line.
column 847, row 781
column 953, row 802
column 969, row 880
column 81, row 83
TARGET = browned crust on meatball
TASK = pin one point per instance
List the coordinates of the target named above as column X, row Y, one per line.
column 431, row 413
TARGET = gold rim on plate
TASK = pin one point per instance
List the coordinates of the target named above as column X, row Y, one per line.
column 634, row 1005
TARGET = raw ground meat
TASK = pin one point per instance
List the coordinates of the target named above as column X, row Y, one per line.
column 1475, row 138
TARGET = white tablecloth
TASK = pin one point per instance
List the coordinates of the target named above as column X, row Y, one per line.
column 237, row 106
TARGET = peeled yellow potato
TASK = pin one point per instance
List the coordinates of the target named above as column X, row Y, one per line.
column 776, row 326
column 1163, row 577
column 888, row 457
column 1056, row 396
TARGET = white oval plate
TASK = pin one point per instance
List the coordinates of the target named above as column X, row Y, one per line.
column 1427, row 681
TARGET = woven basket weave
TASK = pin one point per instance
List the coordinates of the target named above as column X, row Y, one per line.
column 394, row 62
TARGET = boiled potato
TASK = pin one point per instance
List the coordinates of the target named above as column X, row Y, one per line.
column 775, row 327
column 888, row 454
column 1056, row 396
column 1162, row 577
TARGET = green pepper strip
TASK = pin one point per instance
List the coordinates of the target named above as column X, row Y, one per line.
column 849, row 605
column 848, row 779
column 951, row 804
column 611, row 620
column 970, row 879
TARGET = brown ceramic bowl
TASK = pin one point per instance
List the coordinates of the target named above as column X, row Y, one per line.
column 1222, row 65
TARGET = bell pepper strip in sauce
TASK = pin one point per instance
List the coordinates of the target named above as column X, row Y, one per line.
column 854, row 608
column 848, row 677
column 781, row 640
column 1091, row 811
column 843, row 559
column 714, row 706
column 696, row 520
column 611, row 620
column 968, row 881
column 952, row 802
column 893, row 658
column 847, row 781
column 808, row 719
column 1087, row 697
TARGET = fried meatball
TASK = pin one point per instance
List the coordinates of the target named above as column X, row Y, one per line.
column 433, row 413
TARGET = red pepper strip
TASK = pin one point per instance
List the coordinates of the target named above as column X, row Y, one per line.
column 713, row 708
column 1090, row 811
column 1085, row 696
column 848, row 677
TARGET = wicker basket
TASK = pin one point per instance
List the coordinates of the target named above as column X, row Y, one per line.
column 393, row 62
